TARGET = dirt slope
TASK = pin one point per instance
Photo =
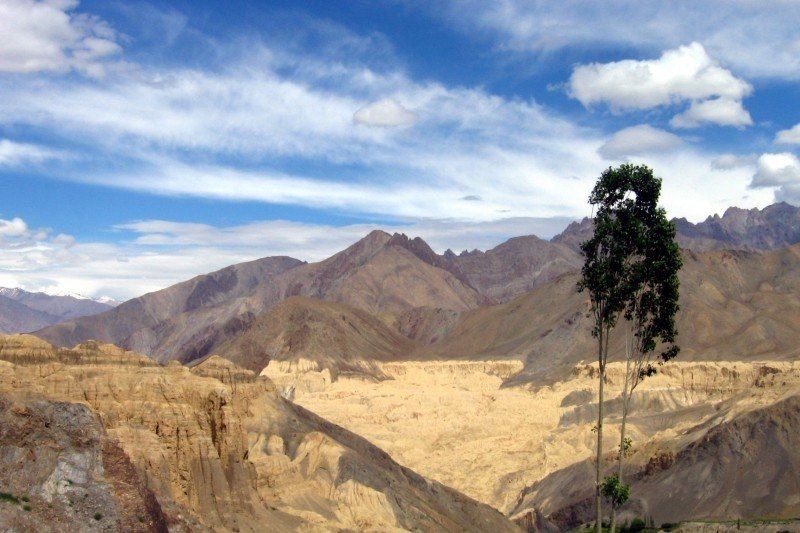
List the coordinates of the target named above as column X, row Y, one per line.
column 745, row 467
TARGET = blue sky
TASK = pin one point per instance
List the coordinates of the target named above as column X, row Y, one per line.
column 143, row 143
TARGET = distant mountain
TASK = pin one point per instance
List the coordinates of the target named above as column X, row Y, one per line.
column 23, row 311
column 446, row 305
column 16, row 317
column 773, row 227
column 776, row 226
column 158, row 320
column 380, row 274
column 514, row 267
column 333, row 335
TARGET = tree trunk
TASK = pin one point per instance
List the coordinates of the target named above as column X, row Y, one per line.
column 621, row 451
column 597, row 495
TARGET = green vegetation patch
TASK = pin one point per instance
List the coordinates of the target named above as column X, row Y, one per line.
column 8, row 497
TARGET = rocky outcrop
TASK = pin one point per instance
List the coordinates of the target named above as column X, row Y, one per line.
column 61, row 472
column 218, row 446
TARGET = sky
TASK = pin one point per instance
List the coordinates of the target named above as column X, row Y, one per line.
column 143, row 143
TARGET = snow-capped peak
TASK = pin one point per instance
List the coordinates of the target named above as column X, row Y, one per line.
column 17, row 292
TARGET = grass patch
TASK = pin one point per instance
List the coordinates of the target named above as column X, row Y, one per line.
column 8, row 497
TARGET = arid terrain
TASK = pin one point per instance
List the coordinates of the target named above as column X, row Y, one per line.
column 390, row 387
column 524, row 449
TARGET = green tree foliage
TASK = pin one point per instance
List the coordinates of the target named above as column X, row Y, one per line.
column 615, row 491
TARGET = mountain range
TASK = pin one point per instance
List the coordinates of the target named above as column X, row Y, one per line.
column 24, row 311
column 392, row 297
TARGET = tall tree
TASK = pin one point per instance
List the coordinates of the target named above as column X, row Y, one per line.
column 630, row 270
column 653, row 288
column 605, row 277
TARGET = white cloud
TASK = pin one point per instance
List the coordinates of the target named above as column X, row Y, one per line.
column 638, row 140
column 384, row 113
column 40, row 36
column 14, row 153
column 277, row 127
column 684, row 74
column 170, row 127
column 722, row 111
column 776, row 170
column 781, row 173
column 16, row 227
column 753, row 38
column 790, row 136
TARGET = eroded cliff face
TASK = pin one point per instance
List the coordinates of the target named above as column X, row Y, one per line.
column 221, row 450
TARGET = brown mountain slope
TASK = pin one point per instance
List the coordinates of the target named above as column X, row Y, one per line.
column 747, row 466
column 219, row 448
column 380, row 274
column 138, row 323
column 734, row 305
column 514, row 267
column 333, row 335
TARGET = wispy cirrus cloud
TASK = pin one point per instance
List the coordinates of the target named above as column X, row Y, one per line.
column 15, row 153
column 752, row 38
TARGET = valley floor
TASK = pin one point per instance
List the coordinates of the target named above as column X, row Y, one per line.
column 453, row 422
